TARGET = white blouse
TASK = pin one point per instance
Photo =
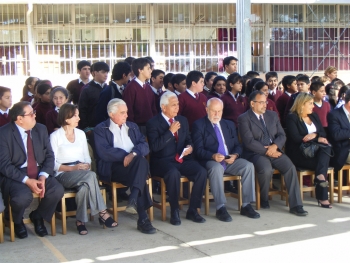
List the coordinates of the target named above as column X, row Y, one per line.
column 311, row 128
column 66, row 151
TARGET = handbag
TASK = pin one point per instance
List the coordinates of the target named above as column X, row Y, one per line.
column 309, row 149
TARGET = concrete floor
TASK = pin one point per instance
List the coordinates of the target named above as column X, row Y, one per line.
column 277, row 236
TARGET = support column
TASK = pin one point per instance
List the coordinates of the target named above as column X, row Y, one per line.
column 244, row 45
column 31, row 46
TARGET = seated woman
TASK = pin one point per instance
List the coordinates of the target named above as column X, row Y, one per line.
column 72, row 167
column 59, row 96
column 218, row 87
column 303, row 126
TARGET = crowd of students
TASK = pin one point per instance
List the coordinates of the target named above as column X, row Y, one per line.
column 141, row 87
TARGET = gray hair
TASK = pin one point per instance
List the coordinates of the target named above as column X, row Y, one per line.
column 164, row 99
column 113, row 105
column 214, row 99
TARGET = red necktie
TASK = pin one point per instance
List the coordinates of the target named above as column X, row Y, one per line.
column 5, row 115
column 144, row 86
column 32, row 169
column 197, row 96
column 177, row 157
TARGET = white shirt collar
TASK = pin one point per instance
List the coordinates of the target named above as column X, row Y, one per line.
column 120, row 88
column 21, row 131
column 176, row 92
column 57, row 109
column 289, row 94
column 166, row 118
column 191, row 93
column 30, row 94
column 233, row 96
column 139, row 81
column 258, row 115
column 80, row 80
column 273, row 91
column 154, row 89
column 101, row 84
column 3, row 112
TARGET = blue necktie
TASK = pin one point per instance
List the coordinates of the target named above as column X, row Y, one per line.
column 266, row 138
column 221, row 148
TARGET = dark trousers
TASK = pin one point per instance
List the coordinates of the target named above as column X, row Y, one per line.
column 264, row 167
column 134, row 175
column 171, row 171
column 21, row 197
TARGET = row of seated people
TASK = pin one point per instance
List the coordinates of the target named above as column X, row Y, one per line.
column 121, row 149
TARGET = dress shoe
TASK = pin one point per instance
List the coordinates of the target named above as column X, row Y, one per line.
column 223, row 215
column 249, row 212
column 194, row 216
column 131, row 208
column 39, row 226
column 145, row 226
column 20, row 230
column 264, row 204
column 175, row 218
column 298, row 210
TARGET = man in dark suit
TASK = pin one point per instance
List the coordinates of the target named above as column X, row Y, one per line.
column 339, row 133
column 263, row 139
column 171, row 147
column 215, row 139
column 26, row 163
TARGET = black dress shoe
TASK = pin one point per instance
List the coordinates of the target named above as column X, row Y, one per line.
column 194, row 216
column 175, row 218
column 249, row 212
column 131, row 208
column 39, row 226
column 298, row 210
column 265, row 204
column 223, row 215
column 20, row 231
column 145, row 226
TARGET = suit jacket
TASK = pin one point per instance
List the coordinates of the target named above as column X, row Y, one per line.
column 296, row 131
column 13, row 154
column 104, row 145
column 251, row 132
column 339, row 136
column 162, row 142
column 206, row 143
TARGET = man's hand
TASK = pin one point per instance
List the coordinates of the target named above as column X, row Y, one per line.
column 218, row 157
column 188, row 151
column 128, row 159
column 33, row 185
column 232, row 159
column 42, row 180
column 174, row 127
column 272, row 151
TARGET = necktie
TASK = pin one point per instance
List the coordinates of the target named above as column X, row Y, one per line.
column 266, row 138
column 197, row 96
column 159, row 91
column 177, row 157
column 221, row 148
column 32, row 169
column 144, row 86
column 5, row 115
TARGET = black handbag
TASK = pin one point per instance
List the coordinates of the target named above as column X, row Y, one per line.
column 309, row 149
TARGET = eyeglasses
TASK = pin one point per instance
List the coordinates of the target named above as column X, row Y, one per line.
column 29, row 114
column 261, row 102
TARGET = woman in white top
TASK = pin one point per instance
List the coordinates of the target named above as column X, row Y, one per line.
column 72, row 168
column 304, row 126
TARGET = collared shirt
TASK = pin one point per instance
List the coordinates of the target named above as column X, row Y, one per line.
column 191, row 93
column 225, row 74
column 289, row 94
column 272, row 91
column 30, row 94
column 101, row 84
column 154, row 90
column 121, row 137
column 234, row 96
column 24, row 135
column 57, row 109
column 167, row 119
column 222, row 136
column 218, row 94
column 177, row 93
column 262, row 116
column 140, row 82
column 3, row 112
column 80, row 80
column 120, row 88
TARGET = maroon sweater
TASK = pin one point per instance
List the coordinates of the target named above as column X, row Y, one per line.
column 4, row 120
column 192, row 108
column 51, row 121
column 275, row 97
column 75, row 88
column 322, row 112
column 41, row 110
column 281, row 105
column 141, row 103
column 232, row 108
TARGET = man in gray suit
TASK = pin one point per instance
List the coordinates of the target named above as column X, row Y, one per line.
column 263, row 138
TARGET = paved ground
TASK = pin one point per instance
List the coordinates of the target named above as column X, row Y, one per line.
column 277, row 236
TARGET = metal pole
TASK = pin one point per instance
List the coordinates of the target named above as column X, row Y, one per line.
column 244, row 46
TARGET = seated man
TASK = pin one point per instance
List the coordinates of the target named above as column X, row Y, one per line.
column 26, row 165
column 121, row 148
column 339, row 134
column 263, row 138
column 170, row 142
column 217, row 148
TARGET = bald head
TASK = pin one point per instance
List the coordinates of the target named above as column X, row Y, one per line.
column 214, row 109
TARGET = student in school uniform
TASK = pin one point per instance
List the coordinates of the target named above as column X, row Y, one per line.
column 76, row 86
column 28, row 89
column 208, row 82
column 230, row 66
column 167, row 82
column 272, row 81
column 322, row 108
column 138, row 95
column 192, row 103
column 179, row 83
column 218, row 88
column 156, row 81
column 44, row 105
column 5, row 105
column 234, row 103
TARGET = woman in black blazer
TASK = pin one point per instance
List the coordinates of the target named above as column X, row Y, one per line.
column 302, row 126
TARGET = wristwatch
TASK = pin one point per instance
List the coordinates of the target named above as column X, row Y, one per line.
column 133, row 153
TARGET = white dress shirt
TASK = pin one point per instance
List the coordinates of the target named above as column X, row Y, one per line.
column 121, row 137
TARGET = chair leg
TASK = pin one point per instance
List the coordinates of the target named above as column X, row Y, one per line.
column 257, row 193
column 313, row 194
column 53, row 225
column 300, row 178
column 239, row 192
column 150, row 210
column 1, row 229
column 340, row 186
column 206, row 198
column 12, row 225
column 114, row 202
column 331, row 186
column 163, row 199
column 63, row 215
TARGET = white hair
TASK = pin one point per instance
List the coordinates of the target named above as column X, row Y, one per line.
column 113, row 105
column 164, row 99
column 214, row 99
